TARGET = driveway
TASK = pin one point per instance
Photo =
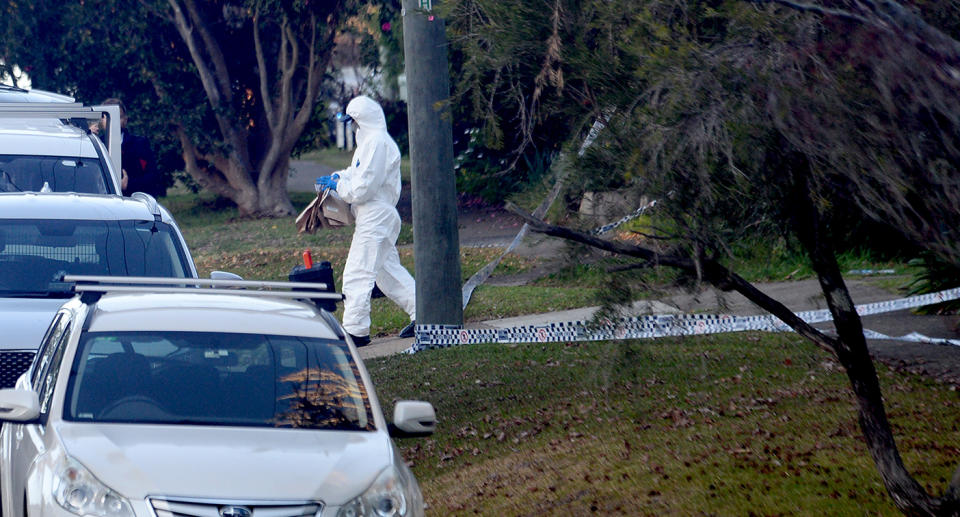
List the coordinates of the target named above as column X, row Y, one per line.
column 303, row 175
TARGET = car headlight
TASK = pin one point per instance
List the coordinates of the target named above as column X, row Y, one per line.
column 79, row 492
column 395, row 493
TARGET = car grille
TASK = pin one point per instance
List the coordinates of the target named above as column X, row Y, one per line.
column 165, row 507
column 12, row 366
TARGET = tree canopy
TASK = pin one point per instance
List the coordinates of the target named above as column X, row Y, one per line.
column 783, row 119
column 228, row 87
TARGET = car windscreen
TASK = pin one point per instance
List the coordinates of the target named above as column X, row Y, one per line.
column 34, row 253
column 217, row 378
column 23, row 173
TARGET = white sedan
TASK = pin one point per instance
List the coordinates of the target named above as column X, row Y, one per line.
column 201, row 402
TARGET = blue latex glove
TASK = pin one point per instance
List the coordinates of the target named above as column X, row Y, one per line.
column 328, row 182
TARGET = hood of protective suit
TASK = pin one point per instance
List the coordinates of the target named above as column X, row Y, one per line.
column 374, row 173
column 368, row 116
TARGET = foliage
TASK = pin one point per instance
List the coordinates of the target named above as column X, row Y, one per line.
column 225, row 89
column 506, row 121
column 95, row 50
column 396, row 115
column 317, row 134
column 371, row 42
column 487, row 173
column 935, row 274
column 754, row 121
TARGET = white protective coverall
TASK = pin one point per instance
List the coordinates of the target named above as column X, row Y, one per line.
column 372, row 187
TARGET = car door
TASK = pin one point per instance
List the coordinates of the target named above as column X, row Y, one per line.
column 21, row 443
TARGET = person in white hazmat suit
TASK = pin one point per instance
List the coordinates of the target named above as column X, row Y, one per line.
column 372, row 187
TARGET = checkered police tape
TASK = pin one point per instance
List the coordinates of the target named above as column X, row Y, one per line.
column 650, row 326
column 629, row 217
column 913, row 337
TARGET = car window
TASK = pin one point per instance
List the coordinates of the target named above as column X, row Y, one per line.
column 212, row 378
column 24, row 173
column 35, row 252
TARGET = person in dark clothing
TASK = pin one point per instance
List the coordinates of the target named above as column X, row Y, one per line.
column 138, row 162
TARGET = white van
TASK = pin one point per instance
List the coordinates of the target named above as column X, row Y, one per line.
column 45, row 144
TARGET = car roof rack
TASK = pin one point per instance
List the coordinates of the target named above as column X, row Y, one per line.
column 147, row 284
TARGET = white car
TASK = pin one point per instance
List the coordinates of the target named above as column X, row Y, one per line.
column 193, row 401
column 38, row 149
column 46, row 235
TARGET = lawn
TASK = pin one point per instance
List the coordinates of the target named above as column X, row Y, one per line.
column 746, row 424
column 735, row 424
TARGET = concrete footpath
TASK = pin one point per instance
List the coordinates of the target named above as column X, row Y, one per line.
column 304, row 174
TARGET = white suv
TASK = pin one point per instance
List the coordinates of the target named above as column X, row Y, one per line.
column 46, row 235
column 161, row 401
column 40, row 150
column 12, row 94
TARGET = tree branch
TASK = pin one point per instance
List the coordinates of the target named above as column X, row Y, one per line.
column 216, row 183
column 315, row 70
column 207, row 78
column 265, row 96
column 893, row 18
column 213, row 50
column 819, row 9
column 289, row 71
column 712, row 271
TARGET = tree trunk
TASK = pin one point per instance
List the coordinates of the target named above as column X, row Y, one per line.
column 854, row 355
column 852, row 352
column 274, row 199
column 229, row 178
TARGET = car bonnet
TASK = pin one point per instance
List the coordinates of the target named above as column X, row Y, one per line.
column 140, row 461
column 25, row 320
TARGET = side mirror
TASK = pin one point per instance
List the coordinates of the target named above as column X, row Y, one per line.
column 224, row 275
column 412, row 419
column 19, row 405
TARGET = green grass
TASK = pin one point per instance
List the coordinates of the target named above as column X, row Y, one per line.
column 496, row 302
column 744, row 424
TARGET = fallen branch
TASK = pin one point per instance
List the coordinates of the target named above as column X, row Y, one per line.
column 713, row 272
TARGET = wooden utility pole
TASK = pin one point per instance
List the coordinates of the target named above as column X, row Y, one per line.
column 436, row 239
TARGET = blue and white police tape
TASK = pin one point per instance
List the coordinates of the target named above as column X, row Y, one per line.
column 653, row 326
column 629, row 217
